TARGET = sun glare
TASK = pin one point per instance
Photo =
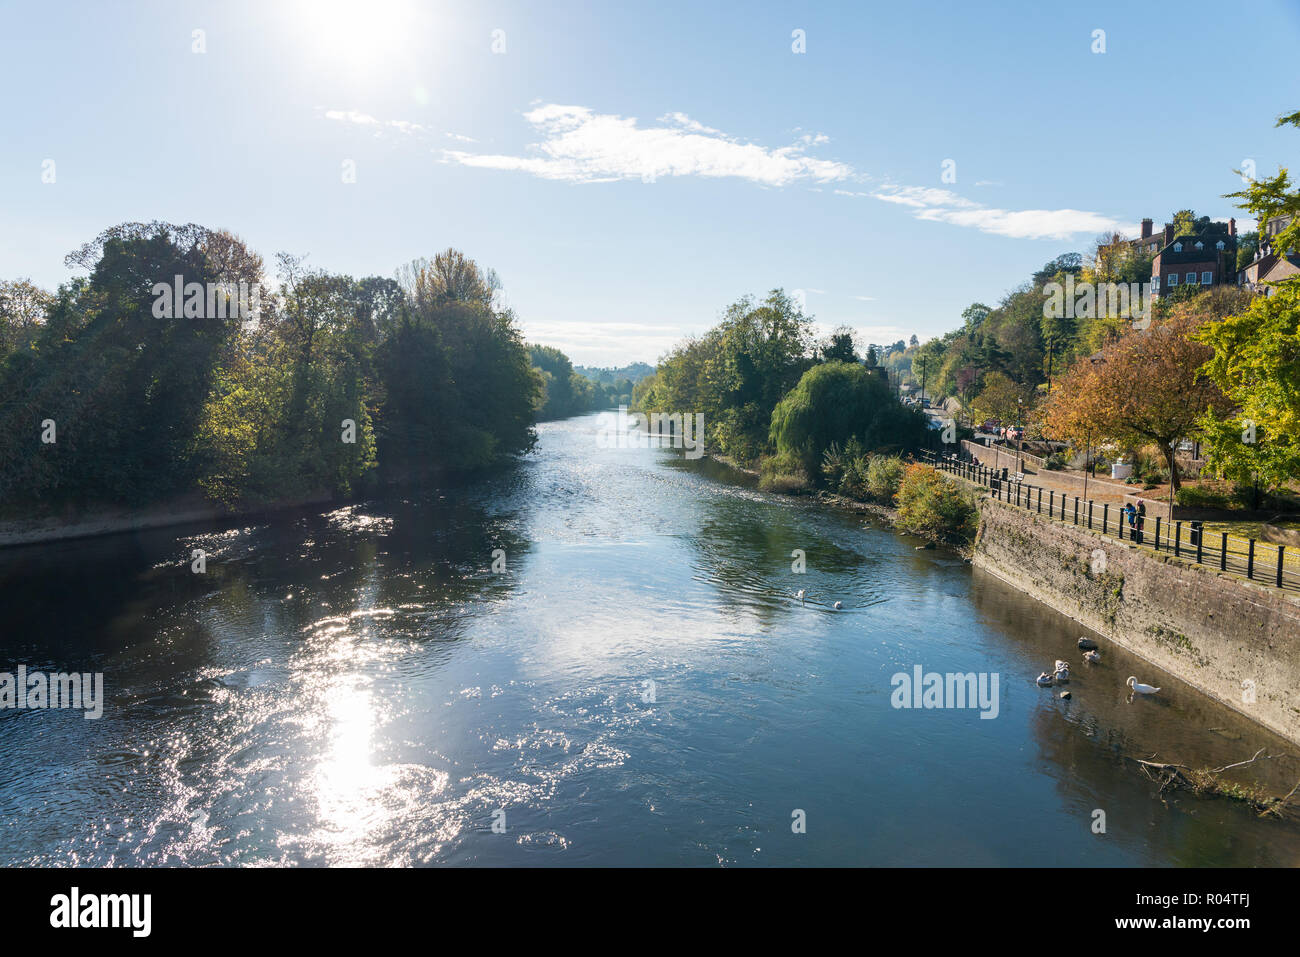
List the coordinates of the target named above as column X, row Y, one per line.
column 358, row 35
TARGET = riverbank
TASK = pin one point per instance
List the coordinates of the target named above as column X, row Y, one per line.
column 1237, row 642
column 95, row 522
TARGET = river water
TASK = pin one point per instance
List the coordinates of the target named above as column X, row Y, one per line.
column 638, row 686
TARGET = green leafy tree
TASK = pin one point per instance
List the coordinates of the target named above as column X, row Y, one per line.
column 837, row 403
column 1256, row 363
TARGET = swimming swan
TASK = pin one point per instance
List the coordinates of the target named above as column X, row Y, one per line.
column 1139, row 687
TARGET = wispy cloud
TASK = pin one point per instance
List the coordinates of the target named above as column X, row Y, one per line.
column 354, row 118
column 942, row 205
column 579, row 145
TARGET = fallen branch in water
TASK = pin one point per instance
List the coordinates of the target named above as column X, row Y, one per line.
column 1204, row 782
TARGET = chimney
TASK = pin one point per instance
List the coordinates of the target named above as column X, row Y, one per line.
column 1146, row 229
column 1232, row 227
column 1169, row 233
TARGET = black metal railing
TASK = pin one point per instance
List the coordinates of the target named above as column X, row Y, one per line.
column 1264, row 562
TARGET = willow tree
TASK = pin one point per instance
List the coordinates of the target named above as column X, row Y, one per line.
column 1146, row 387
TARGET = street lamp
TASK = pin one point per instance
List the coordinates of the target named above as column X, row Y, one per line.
column 1020, row 437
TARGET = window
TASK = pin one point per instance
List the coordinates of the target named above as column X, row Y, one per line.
column 1219, row 245
column 1173, row 279
column 1206, row 278
column 1190, row 280
column 1155, row 283
column 1178, row 247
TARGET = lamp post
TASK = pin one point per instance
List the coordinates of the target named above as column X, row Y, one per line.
column 1020, row 437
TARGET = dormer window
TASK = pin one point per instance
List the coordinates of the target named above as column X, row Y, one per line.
column 1178, row 247
column 1199, row 245
column 1219, row 245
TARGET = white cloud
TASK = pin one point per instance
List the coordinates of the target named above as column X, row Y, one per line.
column 365, row 119
column 865, row 298
column 351, row 116
column 945, row 206
column 581, row 146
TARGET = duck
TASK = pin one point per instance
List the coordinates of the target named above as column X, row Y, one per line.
column 1092, row 656
column 1087, row 644
column 1139, row 687
column 1062, row 673
column 839, row 605
column 1045, row 680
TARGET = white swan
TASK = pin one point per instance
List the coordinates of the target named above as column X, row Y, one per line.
column 800, row 595
column 1093, row 656
column 1063, row 674
column 1139, row 687
column 1045, row 680
column 839, row 605
column 1062, row 665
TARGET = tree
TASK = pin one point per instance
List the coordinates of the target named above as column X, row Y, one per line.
column 1273, row 198
column 837, row 402
column 1001, row 400
column 23, row 307
column 1184, row 222
column 1256, row 363
column 839, row 347
column 1144, row 387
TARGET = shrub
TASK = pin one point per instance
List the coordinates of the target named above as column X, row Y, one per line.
column 1055, row 462
column 1199, row 496
column 854, row 481
column 884, row 473
column 930, row 505
column 783, row 472
column 834, row 462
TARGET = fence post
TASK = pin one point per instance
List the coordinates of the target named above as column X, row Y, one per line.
column 1250, row 559
column 1157, row 545
column 1280, row 550
column 1090, row 515
column 1051, row 502
column 1040, row 501
column 1076, row 510
column 1178, row 536
column 1223, row 553
column 1105, row 516
column 1200, row 543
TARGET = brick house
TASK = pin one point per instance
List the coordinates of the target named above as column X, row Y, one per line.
column 1269, row 265
column 1208, row 258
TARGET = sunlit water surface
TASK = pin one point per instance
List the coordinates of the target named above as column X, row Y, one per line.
column 638, row 687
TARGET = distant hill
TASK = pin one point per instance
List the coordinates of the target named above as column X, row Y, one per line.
column 634, row 372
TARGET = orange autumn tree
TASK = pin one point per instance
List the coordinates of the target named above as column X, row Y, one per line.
column 1144, row 387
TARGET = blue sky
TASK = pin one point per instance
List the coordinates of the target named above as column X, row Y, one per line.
column 630, row 169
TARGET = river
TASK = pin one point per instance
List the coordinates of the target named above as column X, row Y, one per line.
column 637, row 686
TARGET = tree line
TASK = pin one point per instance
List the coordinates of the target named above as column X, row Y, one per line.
column 336, row 385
